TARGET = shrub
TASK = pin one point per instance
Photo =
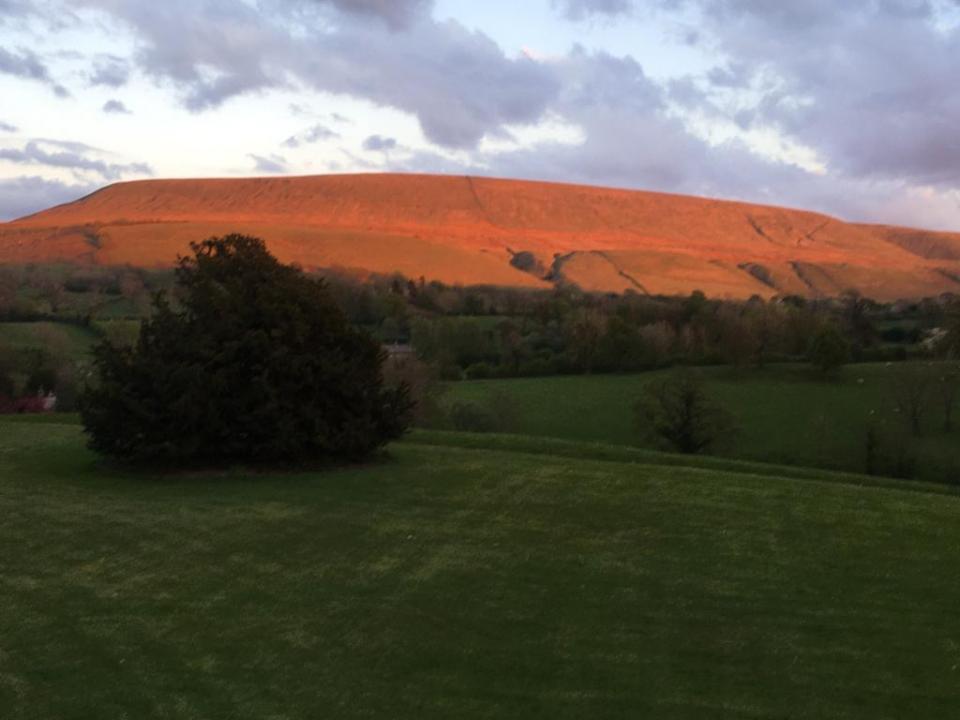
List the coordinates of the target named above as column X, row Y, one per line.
column 259, row 365
column 470, row 417
column 480, row 371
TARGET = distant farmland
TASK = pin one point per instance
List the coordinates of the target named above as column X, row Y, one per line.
column 786, row 414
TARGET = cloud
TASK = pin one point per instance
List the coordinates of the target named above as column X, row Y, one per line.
column 110, row 71
column 317, row 133
column 23, row 196
column 13, row 8
column 580, row 9
column 866, row 86
column 396, row 13
column 378, row 143
column 7, row 127
column 115, row 107
column 27, row 65
column 458, row 83
column 275, row 164
column 71, row 156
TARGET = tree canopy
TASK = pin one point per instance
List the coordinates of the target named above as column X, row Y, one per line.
column 251, row 361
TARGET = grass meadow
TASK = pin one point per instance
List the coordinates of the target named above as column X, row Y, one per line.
column 472, row 577
column 786, row 413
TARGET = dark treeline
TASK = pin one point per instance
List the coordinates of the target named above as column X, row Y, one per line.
column 481, row 332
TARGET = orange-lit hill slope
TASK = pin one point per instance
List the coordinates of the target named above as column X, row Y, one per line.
column 502, row 232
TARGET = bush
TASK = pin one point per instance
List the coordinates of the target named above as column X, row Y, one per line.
column 470, row 417
column 480, row 371
column 537, row 367
column 260, row 365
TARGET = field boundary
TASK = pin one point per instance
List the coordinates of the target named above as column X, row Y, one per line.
column 556, row 447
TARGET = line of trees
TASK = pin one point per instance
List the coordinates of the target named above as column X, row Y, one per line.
column 478, row 332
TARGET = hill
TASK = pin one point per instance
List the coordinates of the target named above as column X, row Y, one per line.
column 502, row 232
column 470, row 582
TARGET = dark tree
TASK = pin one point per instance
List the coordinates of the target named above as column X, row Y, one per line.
column 256, row 364
column 680, row 411
column 911, row 385
column 7, row 386
column 948, row 391
column 951, row 344
column 856, row 316
column 828, row 350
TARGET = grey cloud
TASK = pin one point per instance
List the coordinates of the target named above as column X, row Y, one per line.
column 70, row 145
column 378, row 143
column 7, row 127
column 274, row 164
column 580, row 9
column 867, row 85
column 315, row 134
column 735, row 75
column 22, row 196
column 213, row 51
column 116, row 107
column 13, row 8
column 76, row 158
column 27, row 65
column 24, row 64
column 458, row 83
column 110, row 71
column 397, row 13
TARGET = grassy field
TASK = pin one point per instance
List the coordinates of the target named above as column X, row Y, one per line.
column 62, row 340
column 785, row 414
column 470, row 577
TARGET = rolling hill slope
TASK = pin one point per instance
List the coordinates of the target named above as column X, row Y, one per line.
column 483, row 231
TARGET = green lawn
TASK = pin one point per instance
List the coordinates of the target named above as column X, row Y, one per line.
column 458, row 579
column 785, row 413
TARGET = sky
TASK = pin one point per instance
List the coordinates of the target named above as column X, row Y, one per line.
column 849, row 108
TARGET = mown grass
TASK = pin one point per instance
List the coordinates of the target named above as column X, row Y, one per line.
column 786, row 414
column 468, row 582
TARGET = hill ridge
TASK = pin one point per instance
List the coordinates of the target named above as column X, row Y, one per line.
column 467, row 229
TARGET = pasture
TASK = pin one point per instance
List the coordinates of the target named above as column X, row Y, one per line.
column 472, row 577
column 786, row 414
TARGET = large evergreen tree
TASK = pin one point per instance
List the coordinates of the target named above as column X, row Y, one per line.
column 254, row 362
